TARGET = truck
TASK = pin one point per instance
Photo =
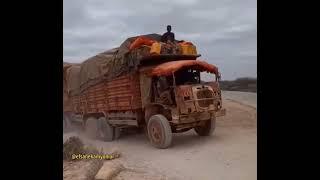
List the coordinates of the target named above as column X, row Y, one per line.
column 163, row 94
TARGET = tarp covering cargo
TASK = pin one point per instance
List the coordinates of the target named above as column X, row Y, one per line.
column 111, row 64
column 70, row 73
column 73, row 79
column 66, row 66
column 66, row 74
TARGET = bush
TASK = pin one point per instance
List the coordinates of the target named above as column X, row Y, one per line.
column 244, row 84
column 73, row 145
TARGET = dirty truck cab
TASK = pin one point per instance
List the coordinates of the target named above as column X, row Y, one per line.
column 175, row 100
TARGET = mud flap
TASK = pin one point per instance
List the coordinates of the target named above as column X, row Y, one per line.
column 221, row 112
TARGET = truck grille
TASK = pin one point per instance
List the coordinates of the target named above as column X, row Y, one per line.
column 203, row 94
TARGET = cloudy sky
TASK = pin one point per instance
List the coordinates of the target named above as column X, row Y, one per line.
column 224, row 31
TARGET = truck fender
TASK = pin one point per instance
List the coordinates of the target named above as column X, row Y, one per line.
column 152, row 109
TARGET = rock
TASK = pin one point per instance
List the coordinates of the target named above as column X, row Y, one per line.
column 132, row 175
column 115, row 152
column 80, row 169
column 109, row 170
column 73, row 145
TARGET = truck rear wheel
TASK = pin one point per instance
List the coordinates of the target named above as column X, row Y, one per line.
column 207, row 129
column 91, row 128
column 66, row 123
column 106, row 131
column 116, row 133
column 159, row 131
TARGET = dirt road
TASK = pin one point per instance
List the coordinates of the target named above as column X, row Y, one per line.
column 246, row 98
column 229, row 154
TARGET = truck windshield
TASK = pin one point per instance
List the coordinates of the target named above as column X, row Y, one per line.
column 208, row 77
column 187, row 76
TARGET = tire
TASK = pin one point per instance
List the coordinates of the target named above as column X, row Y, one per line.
column 207, row 129
column 91, row 128
column 106, row 132
column 66, row 123
column 159, row 131
column 117, row 133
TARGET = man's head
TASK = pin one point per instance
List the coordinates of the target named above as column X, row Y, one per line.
column 169, row 28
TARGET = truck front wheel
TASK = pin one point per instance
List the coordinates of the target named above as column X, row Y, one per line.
column 159, row 131
column 206, row 129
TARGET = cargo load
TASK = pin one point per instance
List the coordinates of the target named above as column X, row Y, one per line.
column 188, row 48
column 155, row 48
column 121, row 60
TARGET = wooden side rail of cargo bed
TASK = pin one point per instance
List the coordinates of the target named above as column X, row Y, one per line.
column 123, row 122
column 119, row 94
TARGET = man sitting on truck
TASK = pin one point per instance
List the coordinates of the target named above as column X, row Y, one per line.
column 168, row 36
column 169, row 44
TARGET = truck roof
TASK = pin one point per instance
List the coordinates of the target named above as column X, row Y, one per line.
column 168, row 68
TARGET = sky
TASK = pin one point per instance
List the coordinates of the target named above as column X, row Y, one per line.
column 224, row 31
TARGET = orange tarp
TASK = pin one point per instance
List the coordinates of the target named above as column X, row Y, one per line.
column 168, row 68
column 140, row 41
column 185, row 43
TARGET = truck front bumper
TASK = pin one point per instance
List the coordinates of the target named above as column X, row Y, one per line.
column 201, row 116
column 221, row 112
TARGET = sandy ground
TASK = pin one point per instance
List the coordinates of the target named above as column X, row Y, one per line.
column 229, row 154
